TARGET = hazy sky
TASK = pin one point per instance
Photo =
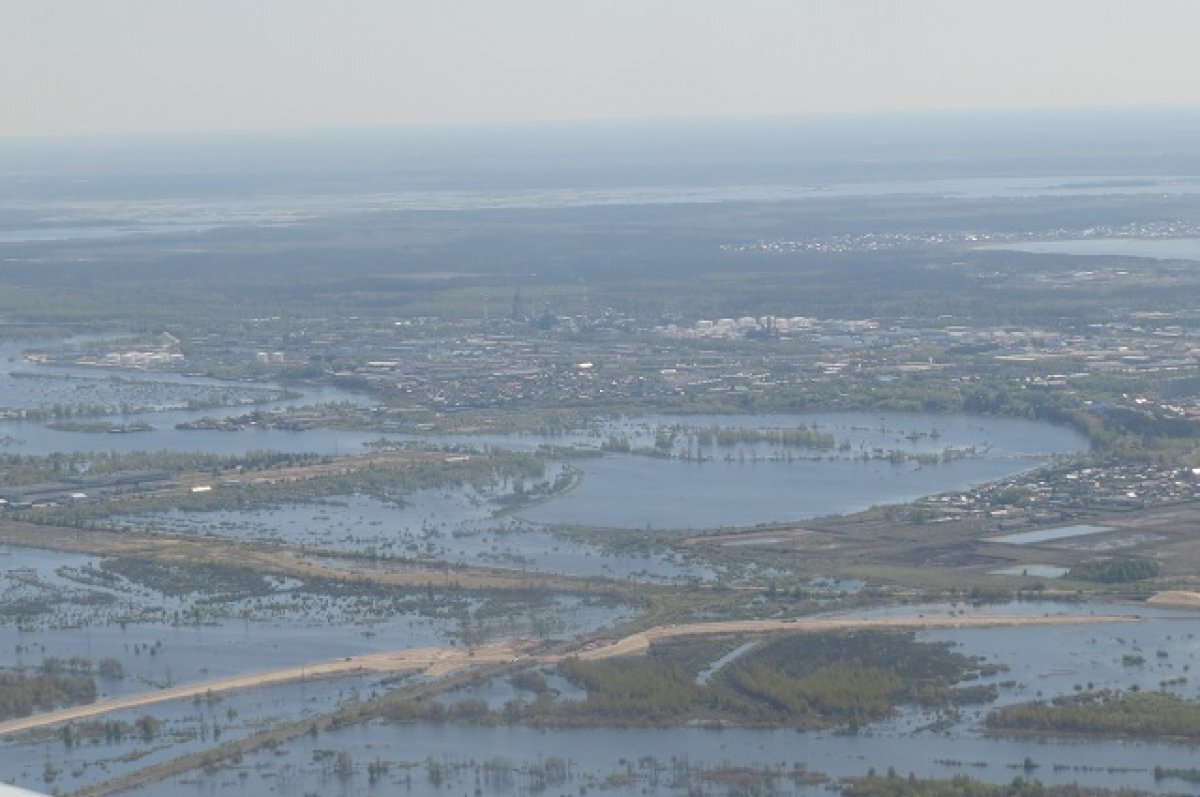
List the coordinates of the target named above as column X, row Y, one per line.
column 105, row 66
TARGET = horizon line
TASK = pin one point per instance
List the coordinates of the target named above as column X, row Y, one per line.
column 918, row 114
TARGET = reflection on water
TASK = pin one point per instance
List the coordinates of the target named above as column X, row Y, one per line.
column 1032, row 571
column 1049, row 535
column 877, row 458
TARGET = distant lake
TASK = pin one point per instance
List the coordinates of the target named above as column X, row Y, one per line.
column 1157, row 248
column 222, row 206
column 1050, row 535
column 67, row 233
column 878, row 457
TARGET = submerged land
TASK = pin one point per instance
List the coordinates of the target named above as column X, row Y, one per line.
column 329, row 496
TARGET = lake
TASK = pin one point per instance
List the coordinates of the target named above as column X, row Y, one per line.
column 1156, row 248
column 875, row 459
column 745, row 485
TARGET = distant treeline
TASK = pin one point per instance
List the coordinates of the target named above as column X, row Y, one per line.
column 1141, row 715
column 1115, row 571
column 962, row 786
column 21, row 695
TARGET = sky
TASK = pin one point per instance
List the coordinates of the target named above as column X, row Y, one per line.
column 86, row 67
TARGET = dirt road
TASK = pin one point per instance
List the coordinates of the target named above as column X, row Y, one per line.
column 640, row 642
column 436, row 661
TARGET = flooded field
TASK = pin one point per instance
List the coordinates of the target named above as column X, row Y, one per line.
column 37, row 397
column 1051, row 535
column 872, row 459
column 843, row 462
column 428, row 759
column 167, row 626
column 630, row 762
column 91, row 752
column 678, row 472
column 76, row 614
column 59, row 608
column 450, row 525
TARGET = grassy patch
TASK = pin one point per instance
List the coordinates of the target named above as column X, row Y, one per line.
column 1144, row 715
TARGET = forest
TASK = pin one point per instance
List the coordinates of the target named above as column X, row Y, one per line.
column 893, row 785
column 1133, row 714
column 21, row 694
column 806, row 681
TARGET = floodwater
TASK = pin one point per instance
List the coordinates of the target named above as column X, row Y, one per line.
column 454, row 525
column 59, row 608
column 1042, row 662
column 158, row 399
column 748, row 484
column 186, row 726
column 156, row 640
column 596, row 756
column 1032, row 571
column 877, row 458
column 1050, row 535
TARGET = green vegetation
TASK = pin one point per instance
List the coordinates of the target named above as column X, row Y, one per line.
column 635, row 691
column 145, row 728
column 21, row 469
column 217, row 582
column 1115, row 570
column 530, row 681
column 386, row 481
column 99, row 427
column 856, row 677
column 130, row 397
column 666, row 438
column 1144, row 715
column 21, row 695
column 849, row 694
column 962, row 786
column 804, row 681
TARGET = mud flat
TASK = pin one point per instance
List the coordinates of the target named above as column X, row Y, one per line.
column 1175, row 598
